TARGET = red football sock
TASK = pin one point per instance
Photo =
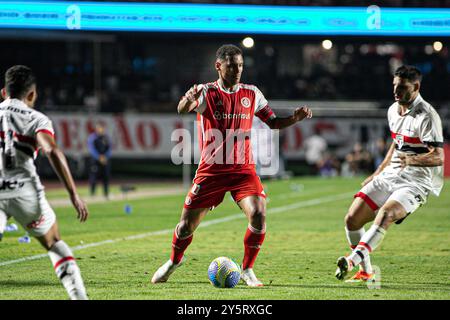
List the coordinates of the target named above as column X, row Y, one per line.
column 252, row 243
column 179, row 246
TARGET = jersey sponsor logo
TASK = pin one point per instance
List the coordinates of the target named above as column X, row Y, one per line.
column 245, row 102
column 14, row 109
column 10, row 185
column 219, row 116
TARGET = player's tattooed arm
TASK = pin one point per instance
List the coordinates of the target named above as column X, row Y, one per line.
column 384, row 164
column 433, row 158
column 189, row 101
column 299, row 114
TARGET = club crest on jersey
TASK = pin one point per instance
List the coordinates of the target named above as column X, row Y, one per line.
column 245, row 102
column 399, row 139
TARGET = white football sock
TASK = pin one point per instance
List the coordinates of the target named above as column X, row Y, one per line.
column 67, row 270
column 369, row 242
column 354, row 237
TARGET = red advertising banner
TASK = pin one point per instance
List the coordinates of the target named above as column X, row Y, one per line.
column 447, row 160
column 150, row 135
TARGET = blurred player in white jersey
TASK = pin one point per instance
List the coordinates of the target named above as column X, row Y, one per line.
column 3, row 221
column 23, row 131
column 411, row 170
column 226, row 107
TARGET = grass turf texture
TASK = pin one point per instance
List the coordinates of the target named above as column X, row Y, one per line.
column 297, row 260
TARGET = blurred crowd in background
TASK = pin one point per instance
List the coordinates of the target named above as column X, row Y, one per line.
column 143, row 72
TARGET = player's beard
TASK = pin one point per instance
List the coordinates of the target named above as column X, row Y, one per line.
column 405, row 99
column 232, row 80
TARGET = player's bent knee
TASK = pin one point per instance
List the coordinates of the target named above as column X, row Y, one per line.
column 352, row 222
column 50, row 238
column 257, row 214
column 48, row 241
column 386, row 217
column 257, row 219
column 185, row 229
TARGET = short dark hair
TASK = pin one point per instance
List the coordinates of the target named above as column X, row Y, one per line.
column 18, row 80
column 410, row 73
column 227, row 50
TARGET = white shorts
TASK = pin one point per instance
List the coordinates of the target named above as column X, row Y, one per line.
column 31, row 210
column 384, row 188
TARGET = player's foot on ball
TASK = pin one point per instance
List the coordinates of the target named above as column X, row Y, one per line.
column 248, row 276
column 343, row 267
column 361, row 276
column 164, row 272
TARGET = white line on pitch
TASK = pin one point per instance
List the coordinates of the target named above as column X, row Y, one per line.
column 271, row 211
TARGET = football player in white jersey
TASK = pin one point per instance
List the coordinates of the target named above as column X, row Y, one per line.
column 23, row 131
column 411, row 170
column 3, row 221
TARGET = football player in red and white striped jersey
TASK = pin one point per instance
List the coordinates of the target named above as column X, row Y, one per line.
column 225, row 110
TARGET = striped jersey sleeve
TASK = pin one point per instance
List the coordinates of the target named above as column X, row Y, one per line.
column 201, row 102
column 42, row 124
column 262, row 109
column 430, row 131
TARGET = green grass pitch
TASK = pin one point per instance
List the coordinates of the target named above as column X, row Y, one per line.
column 305, row 235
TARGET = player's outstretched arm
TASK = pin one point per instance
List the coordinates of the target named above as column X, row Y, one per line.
column 384, row 164
column 59, row 164
column 189, row 101
column 298, row 115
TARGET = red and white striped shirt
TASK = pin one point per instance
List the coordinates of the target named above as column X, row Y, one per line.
column 224, row 125
column 412, row 132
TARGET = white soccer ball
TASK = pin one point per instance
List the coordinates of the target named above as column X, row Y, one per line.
column 223, row 272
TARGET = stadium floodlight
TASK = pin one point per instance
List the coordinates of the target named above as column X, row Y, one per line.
column 327, row 44
column 437, row 46
column 248, row 42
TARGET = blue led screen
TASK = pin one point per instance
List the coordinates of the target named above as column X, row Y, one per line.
column 246, row 19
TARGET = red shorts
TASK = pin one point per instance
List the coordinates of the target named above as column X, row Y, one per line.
column 209, row 191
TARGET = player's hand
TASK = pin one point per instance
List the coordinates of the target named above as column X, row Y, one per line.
column 80, row 206
column 402, row 162
column 194, row 93
column 302, row 113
